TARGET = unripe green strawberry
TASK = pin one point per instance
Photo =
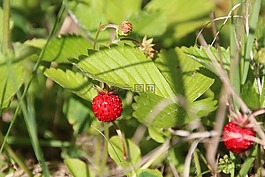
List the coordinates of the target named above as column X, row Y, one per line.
column 107, row 106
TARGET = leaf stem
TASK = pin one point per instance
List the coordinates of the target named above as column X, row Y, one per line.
column 197, row 163
column 104, row 157
column 102, row 28
column 122, row 140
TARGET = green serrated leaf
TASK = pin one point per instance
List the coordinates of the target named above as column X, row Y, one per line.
column 156, row 134
column 158, row 112
column 78, row 168
column 128, row 68
column 61, row 48
column 201, row 56
column 116, row 152
column 182, row 73
column 77, row 115
column 153, row 110
column 149, row 173
column 148, row 23
column 75, row 82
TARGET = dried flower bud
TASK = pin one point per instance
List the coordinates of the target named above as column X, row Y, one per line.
column 125, row 28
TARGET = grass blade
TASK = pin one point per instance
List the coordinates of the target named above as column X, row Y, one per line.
column 248, row 162
column 250, row 39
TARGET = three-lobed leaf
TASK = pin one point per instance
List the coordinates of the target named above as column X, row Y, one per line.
column 75, row 82
column 156, row 111
column 125, row 67
column 183, row 73
column 200, row 55
column 61, row 48
column 186, row 80
column 115, row 150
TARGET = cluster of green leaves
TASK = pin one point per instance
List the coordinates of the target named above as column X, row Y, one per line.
column 182, row 79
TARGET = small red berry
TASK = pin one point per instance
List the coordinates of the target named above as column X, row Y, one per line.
column 235, row 137
column 107, row 106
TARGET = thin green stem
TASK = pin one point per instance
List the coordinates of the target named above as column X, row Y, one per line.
column 197, row 163
column 96, row 37
column 97, row 151
column 122, row 140
column 259, row 161
column 102, row 28
column 104, row 157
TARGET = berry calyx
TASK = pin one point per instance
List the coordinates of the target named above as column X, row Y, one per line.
column 236, row 138
column 107, row 106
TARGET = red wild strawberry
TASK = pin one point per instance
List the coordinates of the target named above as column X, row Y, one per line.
column 237, row 138
column 107, row 106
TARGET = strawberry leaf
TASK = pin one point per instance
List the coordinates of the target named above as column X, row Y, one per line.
column 201, row 56
column 158, row 112
column 125, row 67
column 116, row 152
column 153, row 110
column 61, row 48
column 183, row 74
column 74, row 82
